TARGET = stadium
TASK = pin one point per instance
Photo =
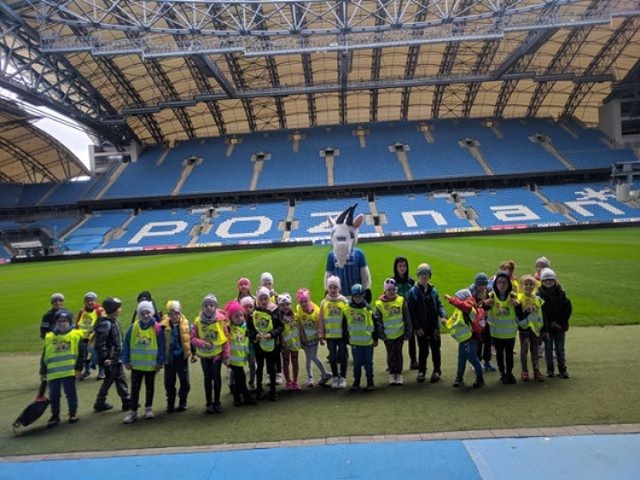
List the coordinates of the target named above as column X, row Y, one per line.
column 225, row 133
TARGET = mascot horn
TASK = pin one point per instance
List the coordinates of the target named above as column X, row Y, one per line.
column 345, row 260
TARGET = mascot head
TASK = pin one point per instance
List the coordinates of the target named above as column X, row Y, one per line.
column 344, row 234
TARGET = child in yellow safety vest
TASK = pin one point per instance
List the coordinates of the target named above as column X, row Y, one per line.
column 265, row 328
column 530, row 324
column 330, row 329
column 307, row 314
column 291, row 345
column 239, row 343
column 63, row 363
column 465, row 326
column 87, row 318
column 391, row 312
column 362, row 334
column 143, row 354
column 501, row 315
column 210, row 339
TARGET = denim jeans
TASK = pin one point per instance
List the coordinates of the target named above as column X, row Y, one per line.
column 555, row 341
column 69, row 386
column 362, row 357
column 468, row 351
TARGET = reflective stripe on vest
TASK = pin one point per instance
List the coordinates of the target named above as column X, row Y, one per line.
column 332, row 313
column 239, row 345
column 502, row 319
column 534, row 319
column 144, row 348
column 61, row 352
column 360, row 325
column 212, row 333
column 309, row 322
column 86, row 322
column 291, row 336
column 392, row 317
column 458, row 328
column 264, row 324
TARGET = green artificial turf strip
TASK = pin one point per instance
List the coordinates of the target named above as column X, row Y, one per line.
column 599, row 268
column 602, row 390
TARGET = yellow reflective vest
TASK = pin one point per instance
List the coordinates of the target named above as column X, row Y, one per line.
column 392, row 317
column 291, row 334
column 144, row 348
column 239, row 345
column 61, row 353
column 360, row 325
column 533, row 321
column 332, row 311
column 458, row 328
column 86, row 321
column 502, row 319
column 263, row 323
column 309, row 323
column 214, row 334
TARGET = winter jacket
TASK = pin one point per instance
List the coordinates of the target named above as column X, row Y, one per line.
column 108, row 340
column 556, row 308
column 184, row 333
column 421, row 318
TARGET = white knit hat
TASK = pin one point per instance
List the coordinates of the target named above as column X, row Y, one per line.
column 145, row 306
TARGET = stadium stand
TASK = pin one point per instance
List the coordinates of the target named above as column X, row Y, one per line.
column 153, row 228
column 90, row 235
column 311, row 217
column 590, row 202
column 507, row 207
column 5, row 254
column 418, row 214
column 244, row 224
column 9, row 194
column 67, row 193
column 145, row 178
column 32, row 193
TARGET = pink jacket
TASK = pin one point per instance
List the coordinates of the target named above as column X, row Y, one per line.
column 196, row 341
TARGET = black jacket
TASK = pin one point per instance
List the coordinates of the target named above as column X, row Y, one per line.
column 556, row 308
column 48, row 322
column 420, row 317
column 108, row 340
column 276, row 330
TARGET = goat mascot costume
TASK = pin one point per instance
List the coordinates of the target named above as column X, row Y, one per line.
column 345, row 260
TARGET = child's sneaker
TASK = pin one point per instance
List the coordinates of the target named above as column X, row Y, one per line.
column 335, row 383
column 342, row 382
column 279, row 378
column 564, row 374
column 399, row 379
column 325, row 378
column 310, row 382
column 148, row 413
column 53, row 421
column 525, row 376
column 537, row 376
column 131, row 417
column 295, row 386
column 73, row 417
column 488, row 367
column 370, row 386
column 550, row 373
column 355, row 387
column 479, row 383
column 421, row 377
column 457, row 383
column 392, row 379
column 435, row 377
column 288, row 386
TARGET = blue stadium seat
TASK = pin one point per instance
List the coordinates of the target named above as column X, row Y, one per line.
column 32, row 193
column 10, row 194
column 67, row 193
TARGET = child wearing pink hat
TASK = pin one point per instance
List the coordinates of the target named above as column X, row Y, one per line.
column 239, row 342
column 244, row 289
column 291, row 345
column 307, row 314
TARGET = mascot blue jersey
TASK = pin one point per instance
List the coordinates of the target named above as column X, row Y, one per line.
column 350, row 273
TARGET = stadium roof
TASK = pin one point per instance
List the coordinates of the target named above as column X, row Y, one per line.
column 163, row 71
column 28, row 154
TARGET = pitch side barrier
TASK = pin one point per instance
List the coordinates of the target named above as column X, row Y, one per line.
column 500, row 230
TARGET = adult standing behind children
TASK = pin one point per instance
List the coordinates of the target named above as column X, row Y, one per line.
column 426, row 312
column 108, row 344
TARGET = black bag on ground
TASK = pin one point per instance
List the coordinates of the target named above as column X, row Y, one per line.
column 33, row 411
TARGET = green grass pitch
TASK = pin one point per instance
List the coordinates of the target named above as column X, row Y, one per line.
column 599, row 268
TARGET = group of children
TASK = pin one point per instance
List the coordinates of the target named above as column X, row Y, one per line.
column 267, row 331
